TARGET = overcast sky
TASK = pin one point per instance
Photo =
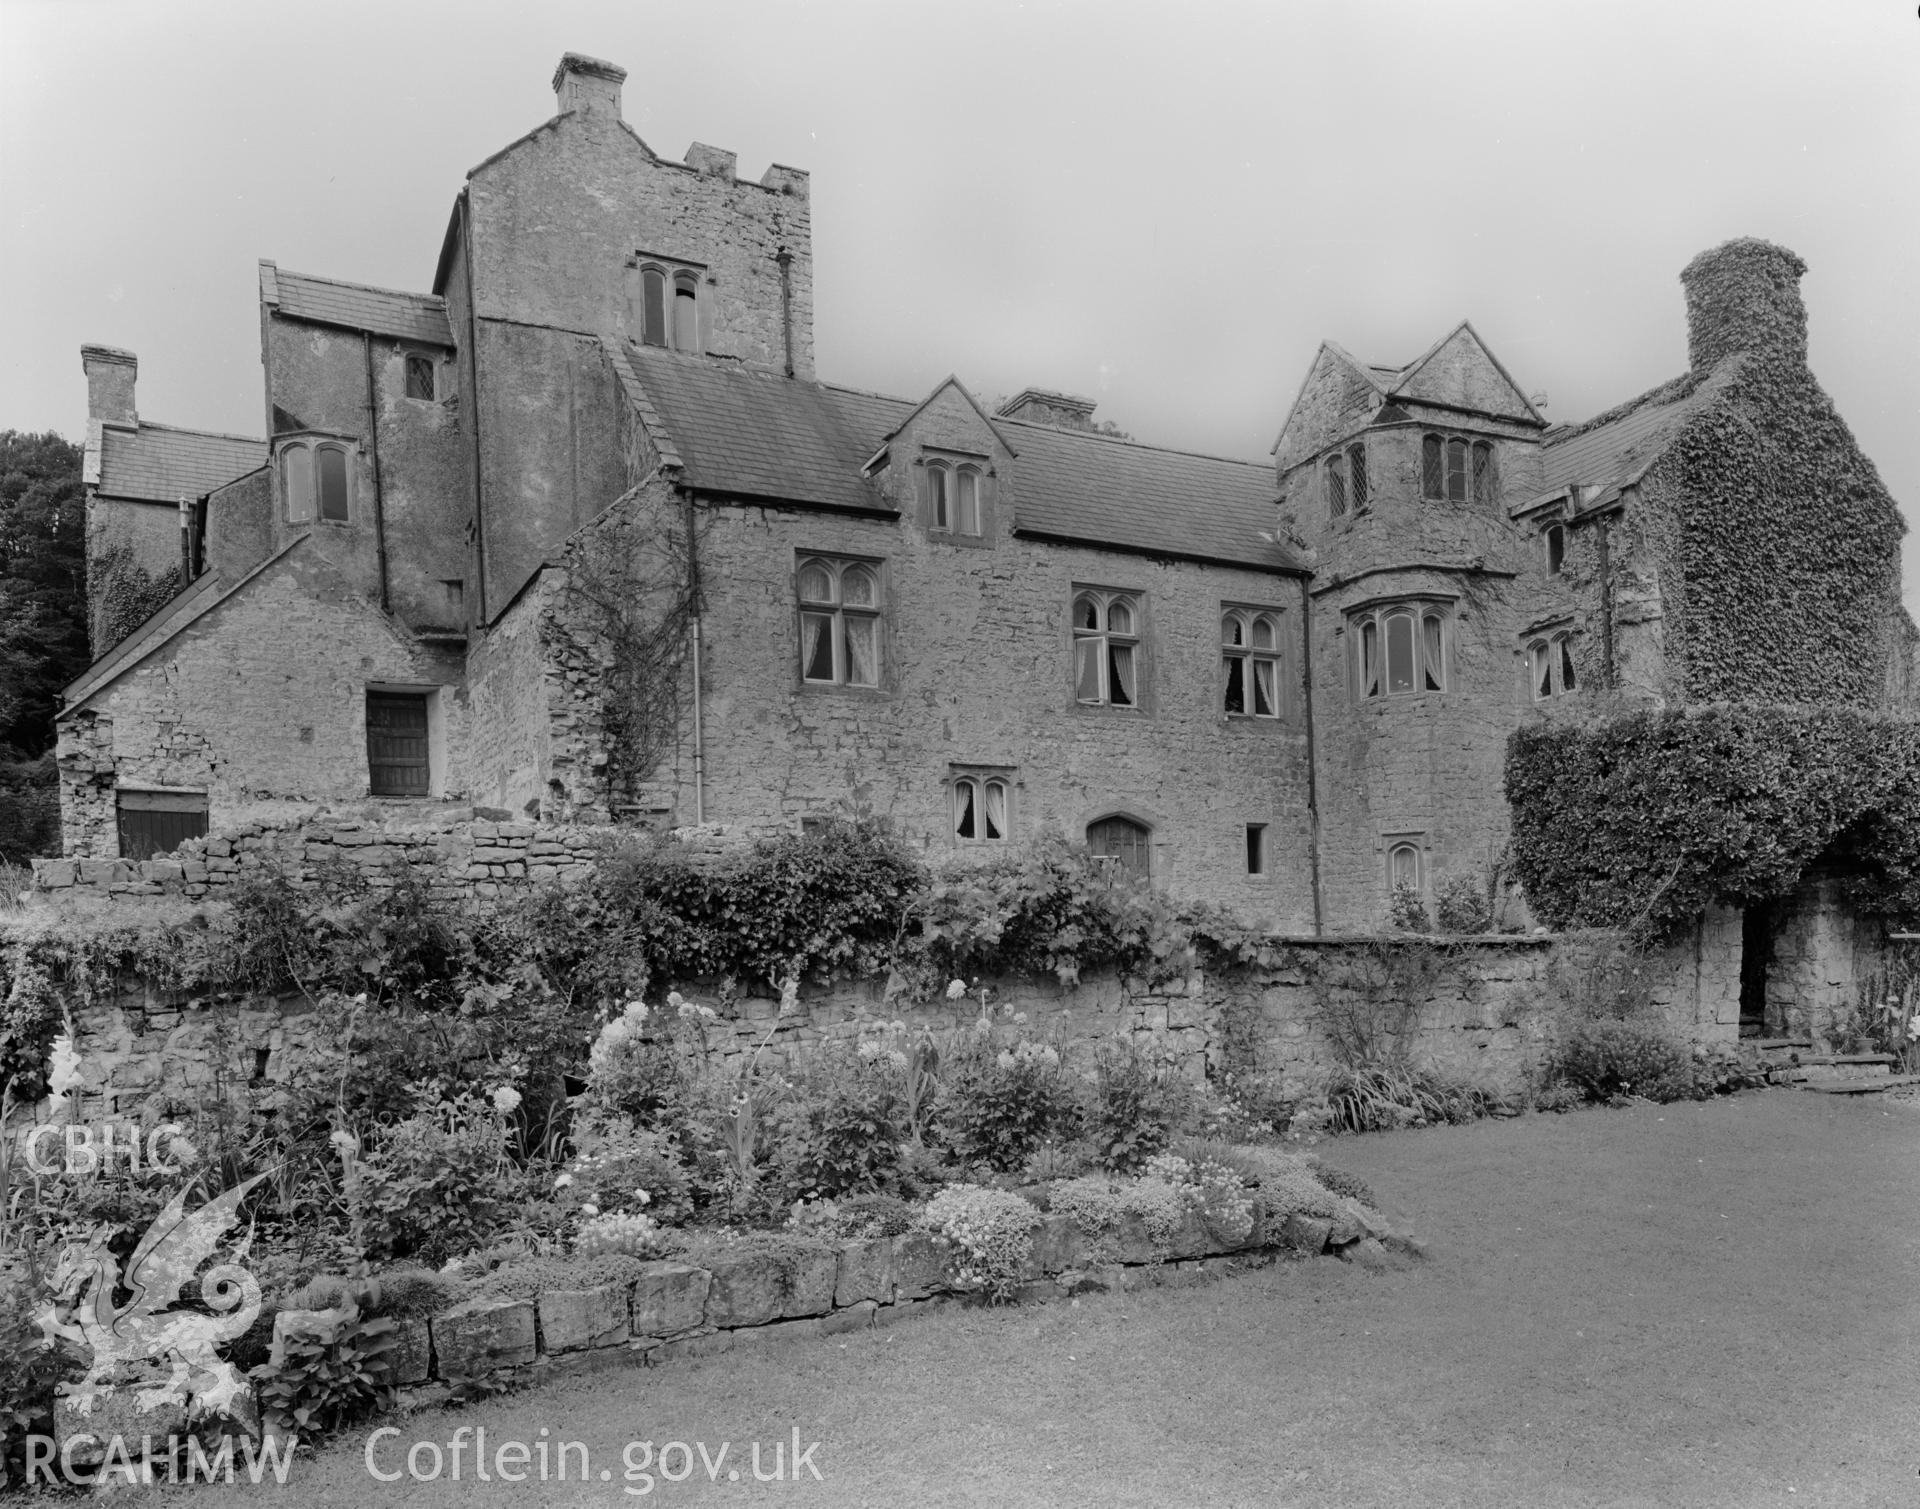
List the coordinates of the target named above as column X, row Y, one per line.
column 1162, row 206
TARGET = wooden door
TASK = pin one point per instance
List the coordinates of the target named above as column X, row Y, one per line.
column 397, row 743
column 158, row 822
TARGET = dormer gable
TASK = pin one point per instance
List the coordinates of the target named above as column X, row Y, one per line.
column 1340, row 395
column 1458, row 372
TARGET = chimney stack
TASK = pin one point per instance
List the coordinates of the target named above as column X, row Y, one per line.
column 1039, row 406
column 110, row 374
column 1744, row 295
column 588, row 85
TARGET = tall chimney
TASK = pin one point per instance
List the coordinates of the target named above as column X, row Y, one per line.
column 110, row 374
column 587, row 85
column 1744, row 295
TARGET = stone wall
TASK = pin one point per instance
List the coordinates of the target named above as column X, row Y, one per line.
column 1489, row 1014
column 464, row 855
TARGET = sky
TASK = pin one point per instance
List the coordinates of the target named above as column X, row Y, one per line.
column 1162, row 206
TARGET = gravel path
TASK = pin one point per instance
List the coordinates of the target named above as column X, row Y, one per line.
column 1687, row 1306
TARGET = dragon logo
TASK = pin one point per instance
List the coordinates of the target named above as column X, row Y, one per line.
column 148, row 1329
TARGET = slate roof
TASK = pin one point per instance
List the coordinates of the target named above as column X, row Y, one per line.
column 357, row 306
column 161, row 464
column 760, row 436
column 1618, row 447
column 1079, row 486
column 749, row 434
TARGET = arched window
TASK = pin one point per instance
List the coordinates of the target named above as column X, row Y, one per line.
column 1106, row 648
column 953, row 497
column 316, row 480
column 1402, row 649
column 296, row 482
column 1550, row 669
column 1123, row 843
column 1456, row 470
column 686, row 312
column 1404, row 867
column 1357, row 476
column 839, row 622
column 966, row 500
column 1250, row 659
column 653, row 306
column 980, row 809
column 1336, row 486
column 939, row 496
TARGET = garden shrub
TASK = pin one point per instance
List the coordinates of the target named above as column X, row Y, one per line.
column 991, row 1231
column 1135, row 1107
column 29, row 1368
column 1646, row 819
column 841, row 1132
column 1383, row 1098
column 1098, row 1204
column 619, row 1168
column 997, row 1104
column 1288, row 1186
column 1211, row 1189
column 435, row 1188
column 1605, row 1059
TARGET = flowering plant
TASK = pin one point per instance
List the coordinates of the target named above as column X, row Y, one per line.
column 991, row 1231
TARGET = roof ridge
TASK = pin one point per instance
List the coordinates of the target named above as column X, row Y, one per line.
column 181, row 429
column 397, row 293
column 1672, row 390
column 1138, row 445
column 840, row 387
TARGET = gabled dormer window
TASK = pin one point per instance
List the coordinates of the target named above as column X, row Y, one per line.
column 1457, row 470
column 956, row 497
column 316, row 480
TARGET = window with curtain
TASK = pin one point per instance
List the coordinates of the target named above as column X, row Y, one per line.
column 980, row 809
column 1458, row 470
column 839, row 621
column 954, row 494
column 1106, row 647
column 316, row 480
column 1550, row 666
column 1250, row 659
column 1400, row 649
column 668, row 313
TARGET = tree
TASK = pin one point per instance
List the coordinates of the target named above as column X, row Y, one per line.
column 43, row 626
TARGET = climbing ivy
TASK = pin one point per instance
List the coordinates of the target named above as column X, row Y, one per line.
column 1644, row 820
column 1789, row 543
column 122, row 594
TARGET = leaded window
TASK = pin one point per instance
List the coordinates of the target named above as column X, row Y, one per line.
column 1250, row 663
column 1106, row 648
column 839, row 622
column 1401, row 650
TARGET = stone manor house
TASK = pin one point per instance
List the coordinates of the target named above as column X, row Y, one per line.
column 579, row 535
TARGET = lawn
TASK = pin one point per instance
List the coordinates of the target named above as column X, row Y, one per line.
column 1690, row 1305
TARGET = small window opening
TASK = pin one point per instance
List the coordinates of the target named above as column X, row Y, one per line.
column 1403, row 866
column 1482, row 472
column 1556, row 549
column 333, row 483
column 296, row 480
column 1433, row 472
column 939, row 511
column 1357, row 477
column 1256, row 848
column 980, row 809
column 1336, row 486
column 686, row 313
column 967, row 501
column 420, row 377
column 653, row 313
